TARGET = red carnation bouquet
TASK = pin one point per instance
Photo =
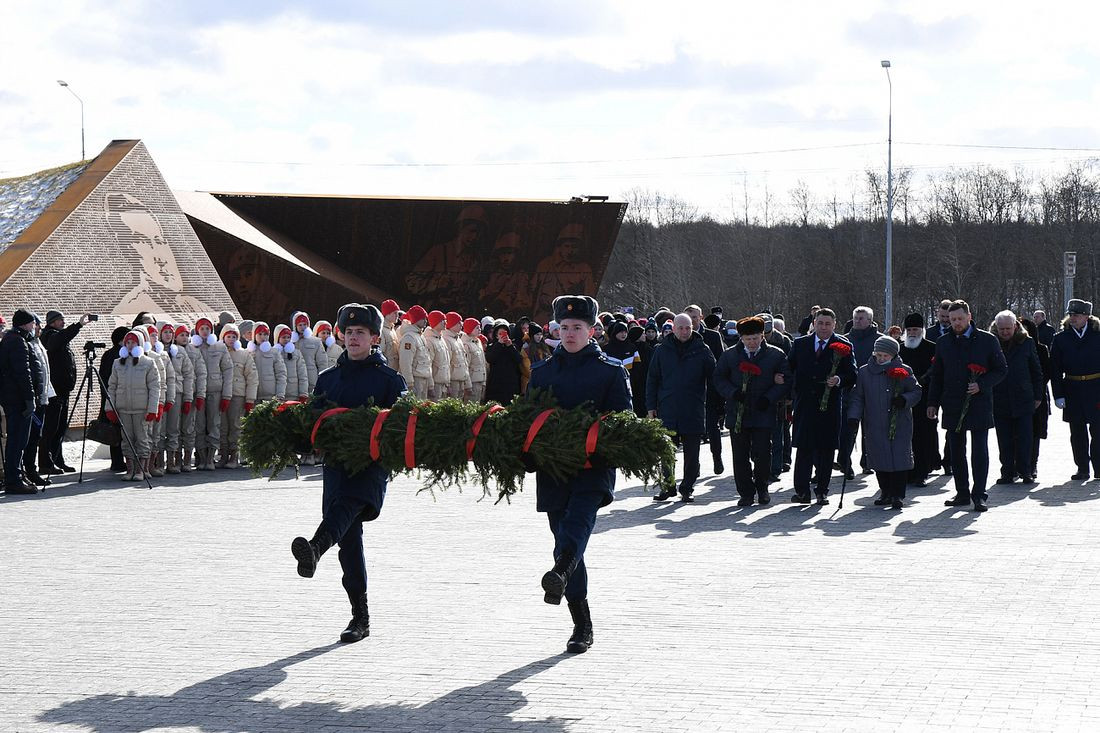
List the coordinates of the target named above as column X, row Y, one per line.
column 897, row 375
column 974, row 371
column 840, row 351
column 748, row 371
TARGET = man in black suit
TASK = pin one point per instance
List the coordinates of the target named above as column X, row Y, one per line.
column 942, row 325
column 716, row 406
column 966, row 396
column 821, row 362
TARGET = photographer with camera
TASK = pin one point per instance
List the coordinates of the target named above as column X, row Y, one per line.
column 56, row 337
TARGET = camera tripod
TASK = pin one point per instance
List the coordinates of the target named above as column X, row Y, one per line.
column 90, row 372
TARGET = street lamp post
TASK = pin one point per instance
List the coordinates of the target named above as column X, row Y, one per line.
column 888, row 321
column 66, row 85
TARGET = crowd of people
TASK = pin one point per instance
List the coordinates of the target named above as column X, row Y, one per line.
column 179, row 391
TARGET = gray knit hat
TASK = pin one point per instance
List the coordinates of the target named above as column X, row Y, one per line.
column 887, row 345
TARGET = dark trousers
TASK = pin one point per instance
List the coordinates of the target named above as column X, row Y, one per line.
column 1084, row 449
column 777, row 439
column 892, row 483
column 342, row 522
column 690, row 444
column 816, row 459
column 1014, row 445
column 926, row 452
column 19, row 432
column 572, row 527
column 53, row 432
column 30, row 453
column 979, row 459
column 752, row 457
column 714, row 414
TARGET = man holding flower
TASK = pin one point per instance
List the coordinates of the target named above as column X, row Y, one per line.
column 968, row 364
column 823, row 365
column 752, row 377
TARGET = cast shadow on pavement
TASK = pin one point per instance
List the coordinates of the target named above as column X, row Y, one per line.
column 1070, row 492
column 227, row 703
column 66, row 485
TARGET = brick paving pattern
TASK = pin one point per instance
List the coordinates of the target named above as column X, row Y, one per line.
column 124, row 609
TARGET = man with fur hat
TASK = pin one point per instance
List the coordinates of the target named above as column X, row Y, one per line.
column 577, row 374
column 441, row 355
column 415, row 360
column 746, row 377
column 387, row 339
column 917, row 353
column 1075, row 384
column 360, row 377
column 219, row 392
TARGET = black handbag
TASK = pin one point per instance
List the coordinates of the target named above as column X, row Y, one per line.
column 104, row 431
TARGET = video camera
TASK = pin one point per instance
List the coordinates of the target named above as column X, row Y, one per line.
column 93, row 345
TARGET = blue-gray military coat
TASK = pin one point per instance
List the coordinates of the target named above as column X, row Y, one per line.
column 870, row 401
column 1077, row 356
column 728, row 380
column 589, row 377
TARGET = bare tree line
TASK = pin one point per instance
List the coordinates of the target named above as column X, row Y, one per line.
column 991, row 236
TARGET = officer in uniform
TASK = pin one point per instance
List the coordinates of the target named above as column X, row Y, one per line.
column 1075, row 381
column 578, row 372
column 360, row 376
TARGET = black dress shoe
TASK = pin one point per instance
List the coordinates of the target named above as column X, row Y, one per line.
column 947, row 471
column 719, row 467
column 957, row 501
column 800, row 499
column 786, row 467
column 919, row 483
column 744, row 502
column 66, row 468
column 882, row 502
column 1026, row 479
column 773, row 479
column 20, row 488
column 850, row 475
column 1004, row 480
column 1080, row 476
column 895, row 504
column 664, row 496
column 821, row 500
column 763, row 497
column 687, row 498
column 980, row 507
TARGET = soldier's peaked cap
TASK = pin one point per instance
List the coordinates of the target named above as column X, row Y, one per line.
column 581, row 307
column 358, row 314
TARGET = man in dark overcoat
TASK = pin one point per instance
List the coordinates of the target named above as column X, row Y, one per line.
column 1016, row 398
column 816, row 432
column 1075, row 384
column 56, row 337
column 966, row 397
column 754, row 397
column 577, row 373
column 360, row 377
column 917, row 353
column 19, row 396
column 676, row 392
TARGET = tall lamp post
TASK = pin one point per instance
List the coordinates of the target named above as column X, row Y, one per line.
column 889, row 320
column 66, row 85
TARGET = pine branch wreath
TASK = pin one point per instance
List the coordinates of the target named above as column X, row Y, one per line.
column 443, row 446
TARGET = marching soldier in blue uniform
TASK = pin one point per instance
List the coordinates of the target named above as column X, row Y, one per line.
column 360, row 376
column 577, row 373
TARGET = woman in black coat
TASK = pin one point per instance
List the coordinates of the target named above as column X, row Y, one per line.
column 505, row 366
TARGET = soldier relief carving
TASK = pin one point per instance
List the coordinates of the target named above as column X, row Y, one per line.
column 159, row 285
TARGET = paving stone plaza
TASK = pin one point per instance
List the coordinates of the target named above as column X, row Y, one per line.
column 179, row 609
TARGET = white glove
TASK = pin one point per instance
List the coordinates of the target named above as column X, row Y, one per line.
column 1060, row 403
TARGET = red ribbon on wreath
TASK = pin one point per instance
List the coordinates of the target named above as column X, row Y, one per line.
column 590, row 441
column 287, row 404
column 410, row 439
column 536, row 426
column 376, row 429
column 324, row 416
column 475, row 429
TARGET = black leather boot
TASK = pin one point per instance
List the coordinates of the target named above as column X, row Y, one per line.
column 308, row 552
column 555, row 579
column 359, row 626
column 581, row 639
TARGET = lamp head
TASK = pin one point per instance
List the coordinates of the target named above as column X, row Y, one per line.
column 63, row 83
column 886, row 63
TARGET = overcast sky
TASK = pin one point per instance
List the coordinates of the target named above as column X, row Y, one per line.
column 508, row 99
